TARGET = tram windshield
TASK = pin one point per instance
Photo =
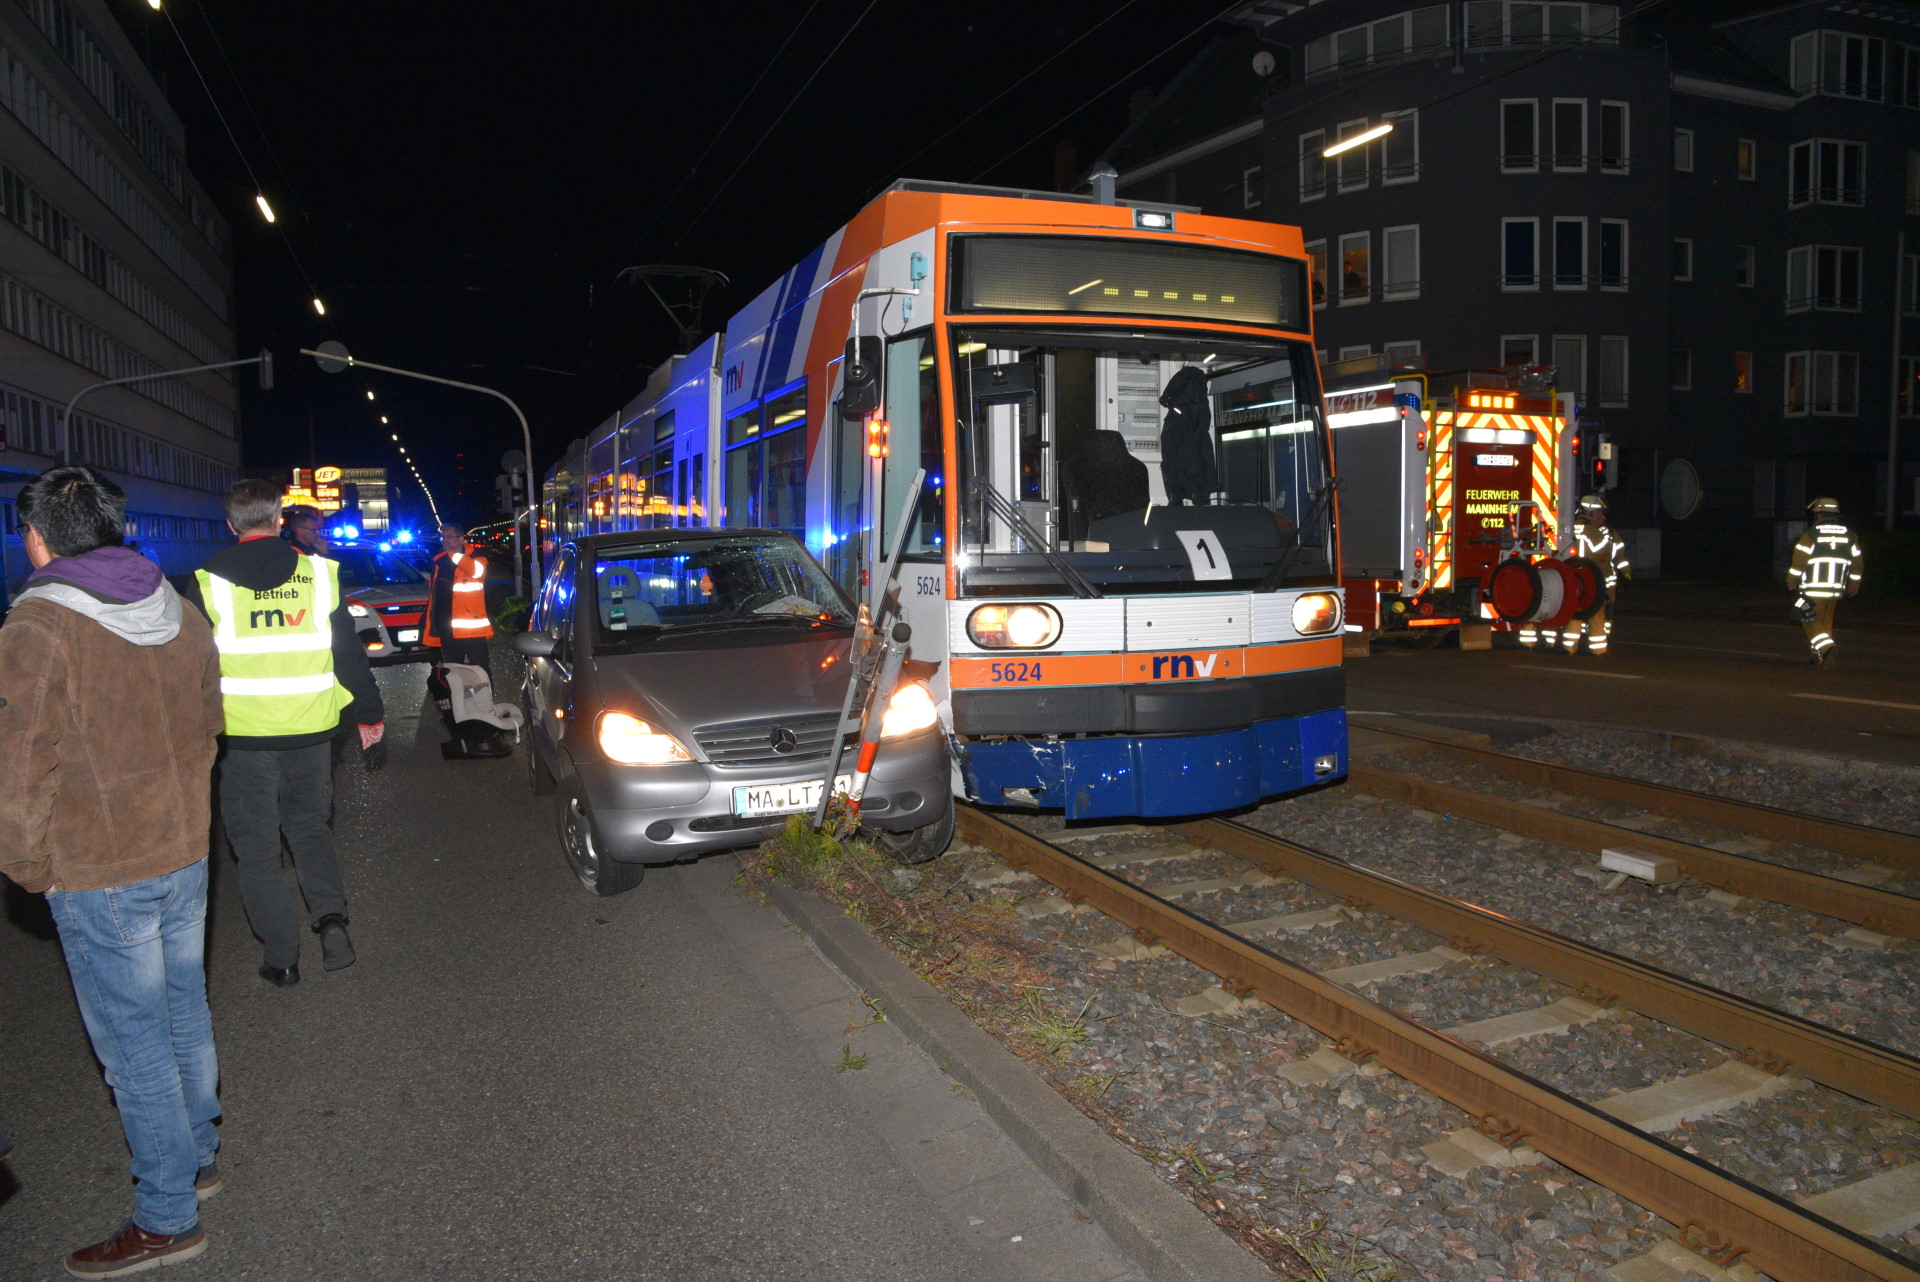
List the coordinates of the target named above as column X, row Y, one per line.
column 1138, row 463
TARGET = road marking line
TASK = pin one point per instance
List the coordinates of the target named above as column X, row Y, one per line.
column 1712, row 649
column 1579, row 672
column 1876, row 703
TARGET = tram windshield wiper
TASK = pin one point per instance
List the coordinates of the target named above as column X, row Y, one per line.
column 997, row 503
column 1278, row 574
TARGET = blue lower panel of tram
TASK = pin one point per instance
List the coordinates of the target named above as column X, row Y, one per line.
column 1164, row 775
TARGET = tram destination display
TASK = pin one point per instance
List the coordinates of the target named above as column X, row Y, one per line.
column 1113, row 277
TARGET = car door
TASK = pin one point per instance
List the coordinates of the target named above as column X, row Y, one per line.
column 548, row 679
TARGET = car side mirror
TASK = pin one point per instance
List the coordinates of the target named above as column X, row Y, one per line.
column 536, row 645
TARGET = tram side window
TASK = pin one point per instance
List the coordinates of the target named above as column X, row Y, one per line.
column 913, row 411
column 767, row 464
column 600, row 496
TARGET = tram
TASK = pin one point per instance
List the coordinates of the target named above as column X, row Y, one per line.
column 1122, row 570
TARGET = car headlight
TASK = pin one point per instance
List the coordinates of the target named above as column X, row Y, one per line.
column 911, row 709
column 1014, row 627
column 1315, row 612
column 358, row 611
column 633, row 742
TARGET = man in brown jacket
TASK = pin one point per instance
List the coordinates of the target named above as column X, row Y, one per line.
column 109, row 711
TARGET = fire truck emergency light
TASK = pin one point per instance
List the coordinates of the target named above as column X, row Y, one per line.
column 877, row 438
column 1486, row 401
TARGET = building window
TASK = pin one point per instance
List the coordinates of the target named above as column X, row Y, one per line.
column 1746, row 159
column 1569, row 253
column 1250, row 188
column 1400, row 246
column 1765, row 485
column 1906, row 76
column 1350, row 166
column 1682, row 258
column 1519, row 253
column 1683, row 150
column 1317, row 268
column 1570, row 360
column 1613, row 370
column 1743, row 372
column 1570, row 134
column 1913, row 182
column 1403, row 355
column 1519, row 349
column 1613, row 137
column 1400, row 150
column 1910, row 387
column 1419, row 32
column 1838, row 63
column 1680, row 369
column 1613, row 253
column 1519, row 136
column 1824, row 278
column 1910, row 285
column 1313, row 165
column 1491, row 23
column 1353, row 353
column 1826, row 171
column 1824, row 383
column 1743, row 266
column 1356, row 268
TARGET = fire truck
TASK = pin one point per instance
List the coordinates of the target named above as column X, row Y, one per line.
column 1456, row 493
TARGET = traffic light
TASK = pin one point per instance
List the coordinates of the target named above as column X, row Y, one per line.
column 1605, row 466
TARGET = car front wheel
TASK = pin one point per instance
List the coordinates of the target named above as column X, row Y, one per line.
column 919, row 845
column 579, row 847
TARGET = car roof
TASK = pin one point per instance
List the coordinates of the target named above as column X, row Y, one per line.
column 594, row 542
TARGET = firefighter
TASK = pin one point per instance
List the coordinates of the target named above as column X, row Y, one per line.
column 1826, row 563
column 1594, row 541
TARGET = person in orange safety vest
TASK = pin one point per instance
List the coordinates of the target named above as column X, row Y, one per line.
column 457, row 620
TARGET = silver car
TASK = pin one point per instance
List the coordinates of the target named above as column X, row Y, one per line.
column 682, row 693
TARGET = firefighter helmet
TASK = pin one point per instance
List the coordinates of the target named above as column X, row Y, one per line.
column 1823, row 504
column 1592, row 503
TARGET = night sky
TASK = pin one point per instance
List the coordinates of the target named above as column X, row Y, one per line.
column 461, row 183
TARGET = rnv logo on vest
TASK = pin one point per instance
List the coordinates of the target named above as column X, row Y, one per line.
column 275, row 618
column 1177, row 666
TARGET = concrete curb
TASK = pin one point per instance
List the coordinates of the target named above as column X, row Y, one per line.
column 1158, row 1228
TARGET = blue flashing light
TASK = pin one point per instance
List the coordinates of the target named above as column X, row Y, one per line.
column 386, row 547
column 405, row 536
column 346, row 531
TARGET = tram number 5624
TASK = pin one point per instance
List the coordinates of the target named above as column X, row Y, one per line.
column 1013, row 673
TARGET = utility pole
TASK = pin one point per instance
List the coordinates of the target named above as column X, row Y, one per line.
column 264, row 360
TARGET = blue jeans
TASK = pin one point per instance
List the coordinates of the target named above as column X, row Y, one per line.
column 137, row 955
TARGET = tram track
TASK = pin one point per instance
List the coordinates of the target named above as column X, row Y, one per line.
column 1720, row 1215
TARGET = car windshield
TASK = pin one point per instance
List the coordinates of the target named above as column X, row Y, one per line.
column 722, row 581
column 365, row 568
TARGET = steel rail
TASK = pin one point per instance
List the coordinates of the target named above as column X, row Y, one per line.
column 1875, row 909
column 1719, row 1215
column 1863, row 841
column 1768, row 1039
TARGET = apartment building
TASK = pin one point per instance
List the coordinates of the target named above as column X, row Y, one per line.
column 113, row 263
column 1705, row 216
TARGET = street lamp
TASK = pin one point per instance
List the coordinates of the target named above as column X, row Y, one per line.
column 266, row 210
column 264, row 360
column 332, row 357
column 1364, row 136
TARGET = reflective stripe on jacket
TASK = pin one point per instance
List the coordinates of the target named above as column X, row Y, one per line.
column 1593, row 540
column 1826, row 561
column 276, row 651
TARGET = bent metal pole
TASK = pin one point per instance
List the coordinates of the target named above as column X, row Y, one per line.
column 526, row 434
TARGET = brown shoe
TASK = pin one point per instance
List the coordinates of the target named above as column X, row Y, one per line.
column 133, row 1249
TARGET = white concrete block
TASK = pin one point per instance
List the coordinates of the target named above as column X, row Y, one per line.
column 1214, row 1001
column 1468, row 1150
column 1657, row 869
column 1407, row 964
column 1184, row 889
column 1290, row 922
column 1671, row 1262
column 1557, row 1017
column 1324, row 1067
column 1665, row 1105
column 1884, row 1205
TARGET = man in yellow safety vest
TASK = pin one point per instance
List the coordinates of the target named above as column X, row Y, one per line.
column 1594, row 541
column 1826, row 564
column 290, row 665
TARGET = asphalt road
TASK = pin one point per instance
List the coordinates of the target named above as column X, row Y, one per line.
column 515, row 1081
column 1736, row 679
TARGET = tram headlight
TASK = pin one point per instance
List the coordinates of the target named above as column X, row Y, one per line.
column 1315, row 613
column 1028, row 626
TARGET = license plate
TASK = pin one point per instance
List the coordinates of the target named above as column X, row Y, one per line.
column 751, row 800
column 411, row 634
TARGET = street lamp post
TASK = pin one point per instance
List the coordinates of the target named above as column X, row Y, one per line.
column 332, row 357
column 264, row 360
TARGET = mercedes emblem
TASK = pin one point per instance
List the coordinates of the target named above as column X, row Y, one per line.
column 783, row 740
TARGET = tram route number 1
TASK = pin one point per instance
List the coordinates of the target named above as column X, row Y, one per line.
column 1006, row 673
